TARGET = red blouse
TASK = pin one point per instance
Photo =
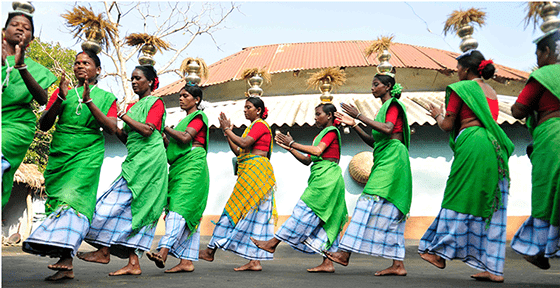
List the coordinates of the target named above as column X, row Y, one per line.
column 262, row 136
column 198, row 125
column 332, row 150
column 537, row 97
column 394, row 116
column 155, row 114
column 456, row 106
column 111, row 113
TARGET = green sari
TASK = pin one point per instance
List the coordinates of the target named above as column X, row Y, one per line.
column 189, row 179
column 391, row 176
column 480, row 158
column 545, row 196
column 145, row 168
column 18, row 119
column 76, row 154
column 325, row 192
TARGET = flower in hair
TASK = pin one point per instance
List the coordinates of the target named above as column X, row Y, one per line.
column 190, row 84
column 397, row 89
column 156, row 83
column 483, row 65
column 265, row 113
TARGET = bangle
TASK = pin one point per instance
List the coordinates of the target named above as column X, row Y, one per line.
column 440, row 114
column 22, row 67
column 120, row 115
column 290, row 150
column 88, row 101
column 227, row 128
column 60, row 97
column 358, row 116
column 354, row 126
column 292, row 142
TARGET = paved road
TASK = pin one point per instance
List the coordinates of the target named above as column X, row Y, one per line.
column 286, row 271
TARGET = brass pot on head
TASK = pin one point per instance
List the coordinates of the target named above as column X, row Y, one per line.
column 384, row 65
column 148, row 51
column 23, row 6
column 255, row 82
column 193, row 68
column 467, row 41
column 326, row 88
column 549, row 13
column 93, row 42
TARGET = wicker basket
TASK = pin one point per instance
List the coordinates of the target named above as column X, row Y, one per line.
column 360, row 166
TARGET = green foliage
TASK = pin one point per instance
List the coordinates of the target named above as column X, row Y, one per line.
column 57, row 59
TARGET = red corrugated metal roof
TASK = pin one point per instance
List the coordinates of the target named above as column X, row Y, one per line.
column 316, row 55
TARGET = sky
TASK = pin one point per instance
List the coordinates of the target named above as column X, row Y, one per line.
column 503, row 39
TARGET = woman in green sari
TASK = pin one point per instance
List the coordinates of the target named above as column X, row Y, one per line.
column 126, row 215
column 538, row 239
column 73, row 170
column 378, row 222
column 471, row 225
column 189, row 183
column 321, row 213
column 30, row 82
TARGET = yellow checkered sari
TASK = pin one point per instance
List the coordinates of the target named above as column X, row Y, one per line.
column 255, row 183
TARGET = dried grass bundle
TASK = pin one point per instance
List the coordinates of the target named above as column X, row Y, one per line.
column 382, row 43
column 336, row 76
column 533, row 13
column 459, row 18
column 82, row 19
column 250, row 72
column 203, row 73
column 139, row 39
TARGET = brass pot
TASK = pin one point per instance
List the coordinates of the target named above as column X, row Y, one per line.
column 549, row 13
column 384, row 65
column 326, row 88
column 148, row 51
column 94, row 38
column 255, row 82
column 23, row 6
column 192, row 69
column 467, row 42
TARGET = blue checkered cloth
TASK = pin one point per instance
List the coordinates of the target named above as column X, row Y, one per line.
column 256, row 224
column 455, row 235
column 112, row 223
column 5, row 165
column 537, row 237
column 304, row 231
column 376, row 229
column 60, row 235
column 177, row 239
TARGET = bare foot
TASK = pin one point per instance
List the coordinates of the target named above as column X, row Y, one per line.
column 207, row 254
column 132, row 268
column 397, row 270
column 435, row 260
column 539, row 261
column 127, row 270
column 253, row 265
column 158, row 259
column 100, row 256
column 61, row 275
column 183, row 266
column 326, row 267
column 268, row 246
column 487, row 276
column 64, row 264
column 340, row 257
